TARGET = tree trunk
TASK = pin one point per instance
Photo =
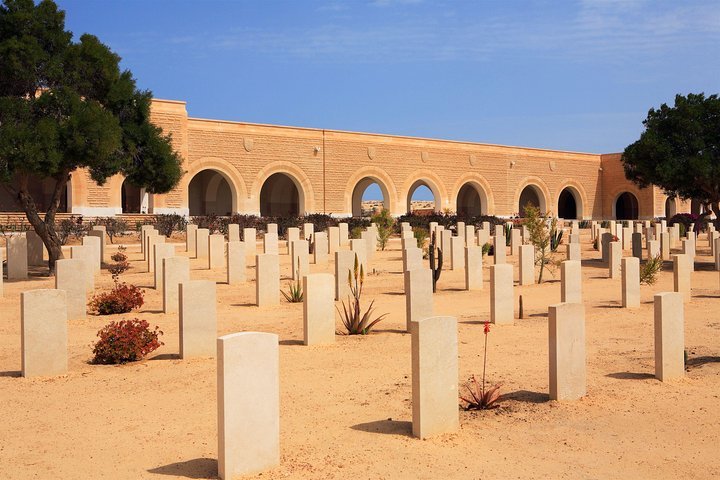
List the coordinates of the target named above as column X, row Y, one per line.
column 715, row 206
column 44, row 228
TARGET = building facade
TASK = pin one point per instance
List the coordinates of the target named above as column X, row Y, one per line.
column 276, row 170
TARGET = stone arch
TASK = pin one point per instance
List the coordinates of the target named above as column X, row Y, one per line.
column 362, row 179
column 626, row 206
column 228, row 172
column 530, row 186
column 480, row 187
column 577, row 196
column 430, row 180
column 306, row 195
column 131, row 198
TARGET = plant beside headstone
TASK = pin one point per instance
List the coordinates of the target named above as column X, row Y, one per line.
column 355, row 321
column 125, row 341
column 650, row 269
column 384, row 222
column 478, row 397
column 123, row 297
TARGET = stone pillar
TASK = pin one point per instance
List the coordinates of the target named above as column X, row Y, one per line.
column 344, row 263
column 272, row 228
column 605, row 240
column 216, row 247
column 483, row 236
column 615, row 259
column 202, row 236
column 473, row 268
column 190, row 244
column 293, row 235
column 101, row 232
column 359, row 247
column 665, row 245
column 566, row 324
column 320, row 252
column 434, row 376
column 267, row 286
column 630, row 282
column 418, row 295
column 70, row 277
column 85, row 254
column 445, row 239
column 35, row 248
column 250, row 240
column 236, row 263
column 457, row 252
column 714, row 236
column 43, row 332
column 17, row 257
column 198, row 318
column 501, row 294
column 627, row 238
column 308, row 231
column 233, row 232
column 688, row 249
column 94, row 244
column 344, row 237
column 370, row 238
column 717, row 254
column 270, row 243
column 637, row 245
column 176, row 270
column 412, row 258
column 333, row 240
column 527, row 265
column 515, row 241
column 499, row 249
column 571, row 281
column 144, row 231
column 300, row 259
column 248, row 393
column 574, row 238
column 669, row 336
column 318, row 309
column 162, row 251
column 681, row 276
column 573, row 251
column 469, row 235
column 653, row 249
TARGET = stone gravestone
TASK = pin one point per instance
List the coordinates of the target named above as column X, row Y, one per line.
column 571, row 281
column 70, row 277
column 236, row 263
column 162, row 251
column 457, row 253
column 630, row 282
column 344, row 237
column 300, row 259
column 669, row 336
column 344, row 263
column 318, row 309
column 35, row 248
column 358, row 246
column 85, row 253
column 605, row 241
column 101, row 232
column 434, row 348
column 473, row 268
column 681, row 276
column 573, row 251
column 190, row 245
column 665, row 246
column 94, row 244
column 202, row 236
column 527, row 264
column 499, row 249
column 270, row 243
column 151, row 239
column 412, row 258
column 146, row 230
column 615, row 259
column 320, row 249
column 272, row 228
column 333, row 240
column 370, row 238
column 308, row 231
column 43, row 327
column 216, row 247
column 233, row 232
column 653, row 249
column 176, row 270
column 515, row 241
column 637, row 245
column 566, row 322
column 250, row 240
column 267, row 285
column 248, row 393
column 418, row 295
column 198, row 318
column 501, row 294
column 17, row 257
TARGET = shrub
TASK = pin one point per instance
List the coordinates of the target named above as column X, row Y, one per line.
column 555, row 236
column 355, row 321
column 487, row 249
column 583, row 224
column 650, row 269
column 122, row 298
column 385, row 223
column 125, row 341
column 212, row 222
column 114, row 227
column 71, row 227
column 166, row 224
column 294, row 293
column 421, row 236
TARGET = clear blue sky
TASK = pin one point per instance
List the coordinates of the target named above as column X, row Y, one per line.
column 575, row 75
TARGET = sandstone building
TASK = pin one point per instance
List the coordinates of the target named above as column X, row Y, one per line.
column 277, row 170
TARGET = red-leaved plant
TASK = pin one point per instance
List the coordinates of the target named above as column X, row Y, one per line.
column 125, row 341
column 122, row 298
column 478, row 397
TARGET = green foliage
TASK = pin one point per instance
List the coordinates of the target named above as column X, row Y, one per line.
column 125, row 341
column 71, row 227
column 421, row 236
column 555, row 236
column 487, row 249
column 384, row 222
column 166, row 224
column 294, row 293
column 507, row 228
column 114, row 227
column 446, row 220
column 583, row 224
column 356, row 232
column 679, row 150
column 540, row 237
column 355, row 321
column 650, row 269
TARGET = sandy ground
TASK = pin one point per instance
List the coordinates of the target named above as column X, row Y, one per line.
column 345, row 408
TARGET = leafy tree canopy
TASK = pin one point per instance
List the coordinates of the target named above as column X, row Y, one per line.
column 679, row 150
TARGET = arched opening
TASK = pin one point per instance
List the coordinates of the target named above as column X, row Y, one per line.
column 567, row 205
column 469, row 202
column 530, row 195
column 131, row 198
column 209, row 193
column 369, row 196
column 279, row 197
column 41, row 190
column 626, row 207
column 670, row 208
column 421, row 198
column 696, row 207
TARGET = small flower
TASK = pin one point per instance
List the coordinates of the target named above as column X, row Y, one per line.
column 487, row 328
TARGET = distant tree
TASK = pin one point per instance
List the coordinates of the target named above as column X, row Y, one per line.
column 66, row 105
column 679, row 151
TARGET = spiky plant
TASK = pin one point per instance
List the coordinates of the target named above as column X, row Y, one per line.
column 294, row 293
column 355, row 321
column 650, row 269
column 478, row 397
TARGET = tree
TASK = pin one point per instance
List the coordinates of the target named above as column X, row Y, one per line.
column 679, row 151
column 540, row 237
column 66, row 105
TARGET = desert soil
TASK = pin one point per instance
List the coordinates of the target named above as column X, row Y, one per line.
column 345, row 408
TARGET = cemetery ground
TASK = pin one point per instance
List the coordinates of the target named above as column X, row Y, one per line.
column 345, row 409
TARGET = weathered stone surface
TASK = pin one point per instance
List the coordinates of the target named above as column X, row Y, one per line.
column 35, row 248
column 473, row 268
column 318, row 308
column 300, row 259
column 70, row 277
column 637, row 245
column 344, row 238
column 445, row 239
column 248, row 393
column 270, row 243
column 359, row 247
column 216, row 259
column 527, row 265
column 344, row 263
column 681, row 276
column 669, row 336
column 320, row 248
column 308, row 231
column 605, row 240
column 515, row 241
column 43, row 327
column 250, row 240
column 333, row 240
column 571, row 281
column 370, row 238
column 144, row 230
column 17, row 257
column 176, row 270
column 198, row 318
column 267, row 286
column 236, row 263
column 162, row 251
column 499, row 249
column 665, row 245
column 615, row 259
column 653, row 249
column 457, row 252
column 94, row 244
column 202, row 236
column 470, row 239
column 630, row 282
column 272, row 228
column 434, row 376
column 84, row 253
column 190, row 245
column 627, row 238
column 101, row 232
column 483, row 236
column 418, row 295
column 573, row 251
column 501, row 294
column 412, row 258
column 233, row 232
column 566, row 322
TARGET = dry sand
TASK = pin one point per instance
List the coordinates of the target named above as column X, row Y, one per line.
column 345, row 408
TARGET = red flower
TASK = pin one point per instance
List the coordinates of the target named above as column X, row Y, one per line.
column 487, row 328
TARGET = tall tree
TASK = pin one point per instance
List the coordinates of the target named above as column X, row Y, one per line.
column 66, row 105
column 679, row 151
